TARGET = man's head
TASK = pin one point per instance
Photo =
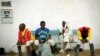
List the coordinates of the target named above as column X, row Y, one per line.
column 42, row 24
column 22, row 27
column 84, row 30
column 63, row 23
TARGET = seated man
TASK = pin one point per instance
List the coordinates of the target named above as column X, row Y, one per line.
column 66, row 35
column 84, row 36
column 41, row 35
column 50, row 40
column 53, row 45
column 26, row 38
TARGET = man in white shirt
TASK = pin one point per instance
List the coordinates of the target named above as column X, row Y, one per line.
column 66, row 33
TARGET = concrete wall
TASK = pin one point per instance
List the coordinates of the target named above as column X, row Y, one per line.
column 77, row 12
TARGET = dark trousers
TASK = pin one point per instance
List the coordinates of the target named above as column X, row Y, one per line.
column 19, row 50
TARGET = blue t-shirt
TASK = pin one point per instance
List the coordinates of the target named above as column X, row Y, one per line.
column 42, row 33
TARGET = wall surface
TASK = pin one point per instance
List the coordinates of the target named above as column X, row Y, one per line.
column 77, row 12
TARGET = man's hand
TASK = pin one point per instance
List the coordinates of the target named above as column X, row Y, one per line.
column 60, row 33
column 63, row 30
column 19, row 43
column 84, row 40
column 71, row 39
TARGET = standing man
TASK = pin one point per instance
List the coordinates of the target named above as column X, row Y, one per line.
column 42, row 36
column 84, row 36
column 26, row 38
column 66, row 34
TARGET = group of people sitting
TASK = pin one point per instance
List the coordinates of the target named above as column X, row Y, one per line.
column 39, row 44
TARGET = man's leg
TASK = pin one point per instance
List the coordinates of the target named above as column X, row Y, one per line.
column 28, row 51
column 32, row 47
column 77, row 48
column 91, row 48
column 28, row 46
column 33, row 52
column 46, row 51
column 19, row 49
column 40, row 47
column 65, row 44
column 36, row 46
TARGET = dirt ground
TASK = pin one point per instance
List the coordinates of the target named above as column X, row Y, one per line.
column 84, row 53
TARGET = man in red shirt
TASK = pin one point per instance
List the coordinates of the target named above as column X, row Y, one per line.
column 84, row 36
column 26, row 38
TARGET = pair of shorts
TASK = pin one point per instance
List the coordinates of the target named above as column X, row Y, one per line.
column 28, row 43
column 66, row 39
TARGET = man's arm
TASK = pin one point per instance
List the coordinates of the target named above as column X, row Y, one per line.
column 19, row 37
column 48, row 32
column 89, row 35
column 36, row 34
column 79, row 35
column 32, row 37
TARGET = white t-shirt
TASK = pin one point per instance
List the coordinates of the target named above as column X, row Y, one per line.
column 68, row 33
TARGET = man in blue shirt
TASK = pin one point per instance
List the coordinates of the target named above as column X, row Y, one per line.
column 41, row 35
column 42, row 32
